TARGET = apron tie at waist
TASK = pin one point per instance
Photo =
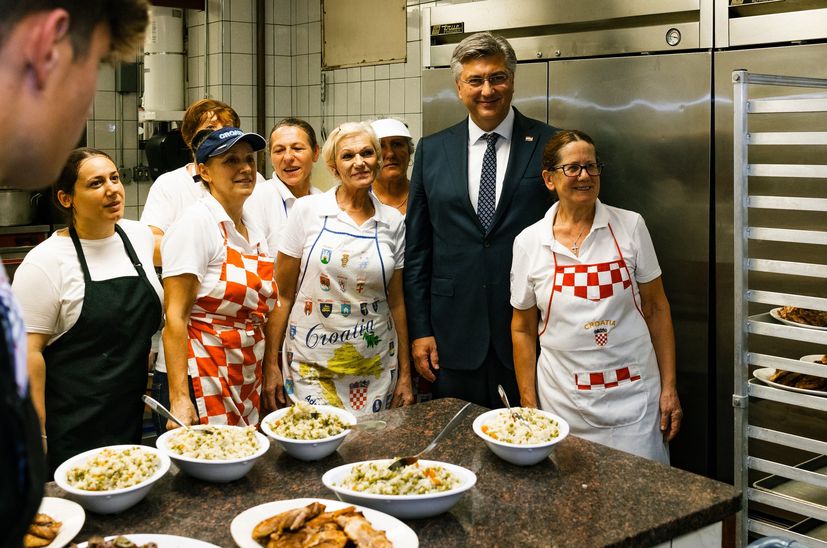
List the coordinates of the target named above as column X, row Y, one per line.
column 606, row 379
column 213, row 324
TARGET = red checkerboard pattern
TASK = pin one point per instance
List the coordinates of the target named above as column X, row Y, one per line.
column 226, row 364
column 358, row 397
column 226, row 339
column 592, row 281
column 602, row 380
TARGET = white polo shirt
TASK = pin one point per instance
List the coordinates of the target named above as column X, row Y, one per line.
column 307, row 218
column 287, row 198
column 194, row 244
column 174, row 192
column 532, row 268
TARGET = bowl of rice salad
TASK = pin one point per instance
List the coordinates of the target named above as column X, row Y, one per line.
column 518, row 442
column 308, row 432
column 214, row 452
column 111, row 479
column 424, row 489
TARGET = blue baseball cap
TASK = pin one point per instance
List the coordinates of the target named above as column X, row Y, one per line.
column 221, row 140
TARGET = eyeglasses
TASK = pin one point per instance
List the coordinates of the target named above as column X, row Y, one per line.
column 574, row 170
column 494, row 80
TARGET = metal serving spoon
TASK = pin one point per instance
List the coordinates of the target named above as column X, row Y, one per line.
column 156, row 406
column 514, row 415
column 407, row 461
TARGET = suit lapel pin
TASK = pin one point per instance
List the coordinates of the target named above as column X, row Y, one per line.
column 529, row 138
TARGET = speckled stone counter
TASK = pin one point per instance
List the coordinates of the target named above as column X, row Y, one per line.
column 584, row 495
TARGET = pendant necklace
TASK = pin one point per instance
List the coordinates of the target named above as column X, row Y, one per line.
column 574, row 247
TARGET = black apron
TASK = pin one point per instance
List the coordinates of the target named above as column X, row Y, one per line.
column 97, row 371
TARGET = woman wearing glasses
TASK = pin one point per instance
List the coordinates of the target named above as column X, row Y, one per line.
column 585, row 280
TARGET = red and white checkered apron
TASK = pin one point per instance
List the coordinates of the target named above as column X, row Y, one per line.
column 226, row 339
column 597, row 367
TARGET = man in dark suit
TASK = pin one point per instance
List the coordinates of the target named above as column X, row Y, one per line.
column 475, row 186
column 50, row 51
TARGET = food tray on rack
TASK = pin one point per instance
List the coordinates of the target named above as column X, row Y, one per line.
column 811, row 527
column 799, row 490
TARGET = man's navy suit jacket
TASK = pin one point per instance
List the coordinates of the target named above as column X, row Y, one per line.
column 456, row 275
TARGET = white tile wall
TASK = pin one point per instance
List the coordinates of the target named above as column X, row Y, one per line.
column 222, row 66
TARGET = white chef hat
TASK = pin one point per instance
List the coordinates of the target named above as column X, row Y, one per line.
column 390, row 127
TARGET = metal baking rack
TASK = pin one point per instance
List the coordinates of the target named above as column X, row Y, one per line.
column 791, row 489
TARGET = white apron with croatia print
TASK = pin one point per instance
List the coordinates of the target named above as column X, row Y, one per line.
column 595, row 345
column 340, row 347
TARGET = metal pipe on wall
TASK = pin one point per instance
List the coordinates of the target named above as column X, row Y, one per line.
column 261, row 102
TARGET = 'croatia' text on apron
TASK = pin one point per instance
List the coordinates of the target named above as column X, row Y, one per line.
column 340, row 347
column 596, row 346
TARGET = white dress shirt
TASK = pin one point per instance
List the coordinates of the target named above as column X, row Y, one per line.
column 476, row 151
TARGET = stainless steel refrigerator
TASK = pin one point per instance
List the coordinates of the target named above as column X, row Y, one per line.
column 646, row 81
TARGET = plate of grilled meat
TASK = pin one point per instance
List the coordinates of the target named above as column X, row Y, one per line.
column 796, row 382
column 56, row 523
column 308, row 522
column 800, row 317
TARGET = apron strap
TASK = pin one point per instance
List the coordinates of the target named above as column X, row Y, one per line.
column 130, row 251
column 310, row 253
column 551, row 295
column 81, row 257
column 626, row 267
column 379, row 253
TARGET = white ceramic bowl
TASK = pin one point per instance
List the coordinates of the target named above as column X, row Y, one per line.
column 403, row 506
column 219, row 471
column 309, row 449
column 116, row 500
column 520, row 454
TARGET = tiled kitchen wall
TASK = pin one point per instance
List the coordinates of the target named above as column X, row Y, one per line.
column 221, row 64
column 113, row 128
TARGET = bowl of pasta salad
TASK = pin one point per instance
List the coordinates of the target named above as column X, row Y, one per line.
column 423, row 489
column 111, row 479
column 524, row 441
column 308, row 432
column 218, row 453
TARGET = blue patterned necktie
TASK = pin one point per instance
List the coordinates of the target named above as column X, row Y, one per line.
column 486, row 203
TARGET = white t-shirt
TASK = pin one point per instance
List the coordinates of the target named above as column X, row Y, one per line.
column 307, row 218
column 49, row 282
column 287, row 198
column 194, row 244
column 533, row 264
column 173, row 192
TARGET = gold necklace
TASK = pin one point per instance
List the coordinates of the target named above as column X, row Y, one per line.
column 397, row 206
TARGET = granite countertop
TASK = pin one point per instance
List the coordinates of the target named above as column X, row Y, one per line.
column 586, row 494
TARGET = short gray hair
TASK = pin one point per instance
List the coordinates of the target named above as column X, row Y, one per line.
column 345, row 130
column 482, row 44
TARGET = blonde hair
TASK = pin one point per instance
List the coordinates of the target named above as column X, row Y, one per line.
column 345, row 130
